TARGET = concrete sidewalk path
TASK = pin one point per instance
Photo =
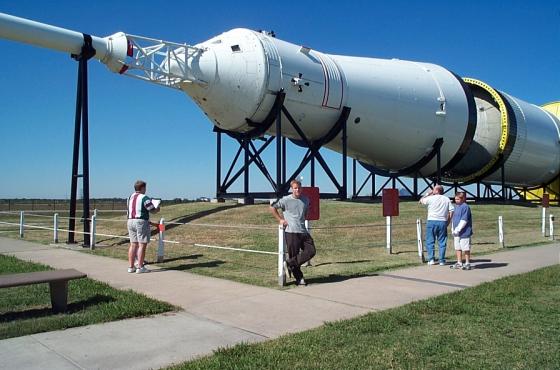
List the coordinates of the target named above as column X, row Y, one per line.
column 219, row 312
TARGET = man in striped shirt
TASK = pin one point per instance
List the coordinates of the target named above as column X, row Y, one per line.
column 139, row 206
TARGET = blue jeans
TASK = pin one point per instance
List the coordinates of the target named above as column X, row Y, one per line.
column 436, row 230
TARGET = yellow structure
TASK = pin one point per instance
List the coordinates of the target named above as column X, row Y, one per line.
column 554, row 187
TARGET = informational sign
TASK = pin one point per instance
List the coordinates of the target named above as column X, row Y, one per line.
column 390, row 202
column 312, row 193
column 546, row 200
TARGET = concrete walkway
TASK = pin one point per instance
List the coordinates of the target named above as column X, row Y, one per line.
column 220, row 313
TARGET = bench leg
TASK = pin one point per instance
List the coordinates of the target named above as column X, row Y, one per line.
column 59, row 295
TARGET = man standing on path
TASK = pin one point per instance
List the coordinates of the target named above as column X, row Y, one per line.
column 461, row 228
column 440, row 210
column 139, row 206
column 301, row 247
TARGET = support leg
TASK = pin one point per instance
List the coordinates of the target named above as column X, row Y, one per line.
column 59, row 295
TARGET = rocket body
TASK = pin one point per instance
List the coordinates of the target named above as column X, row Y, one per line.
column 398, row 109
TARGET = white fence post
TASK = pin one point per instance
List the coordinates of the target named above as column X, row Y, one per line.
column 281, row 256
column 21, row 221
column 161, row 243
column 551, row 226
column 419, row 239
column 93, row 226
column 389, row 246
column 501, row 231
column 55, row 228
column 544, row 221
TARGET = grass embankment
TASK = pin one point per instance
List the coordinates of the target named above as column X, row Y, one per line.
column 27, row 310
column 343, row 250
column 512, row 323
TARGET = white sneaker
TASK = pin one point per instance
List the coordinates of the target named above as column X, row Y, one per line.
column 442, row 263
column 132, row 269
column 431, row 262
column 142, row 270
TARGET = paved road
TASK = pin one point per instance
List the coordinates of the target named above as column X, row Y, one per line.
column 218, row 313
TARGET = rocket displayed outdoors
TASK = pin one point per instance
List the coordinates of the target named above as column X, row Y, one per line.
column 399, row 111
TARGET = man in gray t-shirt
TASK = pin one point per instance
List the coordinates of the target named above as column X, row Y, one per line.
column 301, row 247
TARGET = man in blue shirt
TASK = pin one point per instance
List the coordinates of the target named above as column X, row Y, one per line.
column 462, row 231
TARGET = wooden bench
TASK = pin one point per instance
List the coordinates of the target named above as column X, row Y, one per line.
column 57, row 279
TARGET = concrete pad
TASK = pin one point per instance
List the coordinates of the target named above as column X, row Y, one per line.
column 375, row 292
column 488, row 267
column 277, row 313
column 147, row 343
column 28, row 353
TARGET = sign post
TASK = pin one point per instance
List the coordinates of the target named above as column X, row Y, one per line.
column 390, row 209
column 312, row 193
column 161, row 241
column 545, row 205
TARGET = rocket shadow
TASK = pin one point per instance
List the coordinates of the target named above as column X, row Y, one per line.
column 198, row 215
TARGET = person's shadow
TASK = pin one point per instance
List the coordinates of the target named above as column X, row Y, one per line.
column 489, row 265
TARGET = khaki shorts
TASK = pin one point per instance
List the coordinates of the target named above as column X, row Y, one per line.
column 138, row 230
column 462, row 244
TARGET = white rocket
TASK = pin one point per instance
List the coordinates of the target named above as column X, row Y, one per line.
column 398, row 109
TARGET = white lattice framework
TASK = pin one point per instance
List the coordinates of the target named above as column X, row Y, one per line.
column 161, row 62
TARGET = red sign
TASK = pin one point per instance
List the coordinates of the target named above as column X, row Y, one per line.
column 390, row 202
column 312, row 193
column 546, row 200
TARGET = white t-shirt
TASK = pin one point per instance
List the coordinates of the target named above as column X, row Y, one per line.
column 439, row 207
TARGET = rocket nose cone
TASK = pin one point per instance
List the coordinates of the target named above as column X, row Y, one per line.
column 229, row 78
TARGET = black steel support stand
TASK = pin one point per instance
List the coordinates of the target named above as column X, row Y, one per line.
column 81, row 124
column 252, row 155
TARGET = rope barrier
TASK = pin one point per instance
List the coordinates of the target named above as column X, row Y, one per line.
column 247, row 227
column 151, row 239
column 235, row 249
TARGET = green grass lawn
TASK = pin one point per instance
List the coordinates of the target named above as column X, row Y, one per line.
column 27, row 309
column 512, row 323
column 343, row 250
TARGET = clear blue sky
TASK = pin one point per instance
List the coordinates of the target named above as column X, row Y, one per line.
column 514, row 46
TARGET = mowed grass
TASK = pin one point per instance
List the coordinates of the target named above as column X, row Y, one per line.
column 512, row 323
column 350, row 238
column 27, row 310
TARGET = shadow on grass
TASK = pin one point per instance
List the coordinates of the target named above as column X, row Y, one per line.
column 192, row 266
column 197, row 215
column 341, row 262
column 405, row 252
column 73, row 307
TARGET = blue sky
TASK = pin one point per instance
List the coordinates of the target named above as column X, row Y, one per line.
column 513, row 46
